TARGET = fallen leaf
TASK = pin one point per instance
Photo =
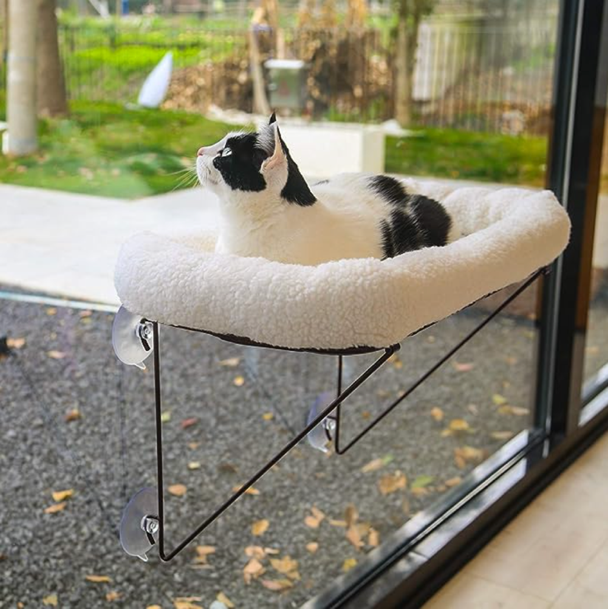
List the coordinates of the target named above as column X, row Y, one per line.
column 73, row 415
column 421, row 481
column 276, row 585
column 458, row 425
column 517, row 411
column 189, row 422
column 348, row 564
column 390, row 483
column 272, row 551
column 165, row 417
column 250, row 491
column 86, row 313
column 462, row 367
column 255, row 552
column 420, row 491
column 351, row 515
column 224, row 599
column 352, row 534
column 112, row 596
column 98, row 579
column 337, row 523
column 317, row 513
column 194, row 465
column 15, row 343
column 179, row 604
column 312, row 547
column 259, row 527
column 231, row 362
column 373, row 538
column 51, row 311
column 455, row 481
column 252, row 570
column 376, row 464
column 313, row 521
column 437, row 413
column 153, row 607
column 498, row 399
column 501, row 435
column 239, row 381
column 268, row 416
column 50, row 600
column 284, row 565
column 205, row 550
column 179, row 490
column 62, row 495
column 57, row 507
column 473, row 409
column 56, row 354
column 466, row 454
column 366, row 414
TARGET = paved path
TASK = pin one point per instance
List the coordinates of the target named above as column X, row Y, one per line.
column 66, row 244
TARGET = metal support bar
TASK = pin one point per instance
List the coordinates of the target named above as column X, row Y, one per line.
column 342, row 449
column 166, row 557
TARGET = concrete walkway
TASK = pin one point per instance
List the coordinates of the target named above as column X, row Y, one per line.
column 67, row 244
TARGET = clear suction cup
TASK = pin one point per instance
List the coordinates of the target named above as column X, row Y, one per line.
column 139, row 524
column 320, row 436
column 131, row 338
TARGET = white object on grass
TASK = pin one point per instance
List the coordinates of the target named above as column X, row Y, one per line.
column 156, row 85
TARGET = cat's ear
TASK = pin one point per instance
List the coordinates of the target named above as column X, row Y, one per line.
column 273, row 118
column 278, row 158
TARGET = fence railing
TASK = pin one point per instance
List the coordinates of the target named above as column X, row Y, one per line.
column 468, row 76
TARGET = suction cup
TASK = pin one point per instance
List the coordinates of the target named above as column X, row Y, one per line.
column 320, row 436
column 131, row 338
column 139, row 524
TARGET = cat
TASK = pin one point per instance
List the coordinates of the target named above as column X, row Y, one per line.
column 267, row 209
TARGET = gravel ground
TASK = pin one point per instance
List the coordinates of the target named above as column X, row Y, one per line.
column 108, row 454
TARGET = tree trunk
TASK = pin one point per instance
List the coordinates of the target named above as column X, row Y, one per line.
column 403, row 76
column 21, row 137
column 52, row 100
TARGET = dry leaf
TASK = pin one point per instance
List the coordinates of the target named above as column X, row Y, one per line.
column 284, row 565
column 15, row 343
column 372, row 466
column 253, row 569
column 498, row 399
column 57, row 507
column 437, row 413
column 349, row 563
column 224, row 599
column 98, row 579
column 455, row 481
column 205, row 550
column 73, row 415
column 312, row 547
column 189, row 422
column 56, row 354
column 272, row 551
column 277, row 585
column 466, row 454
column 373, row 538
column 50, row 600
column 312, row 522
column 250, row 491
column 179, row 490
column 259, row 527
column 112, row 596
column 351, row 515
column 62, row 495
column 390, row 483
column 458, row 425
column 165, row 417
column 194, row 465
column 181, row 604
column 337, row 523
column 421, row 482
column 501, row 435
column 463, row 367
column 153, row 607
column 352, row 534
column 239, row 381
column 268, row 416
column 231, row 362
column 518, row 411
column 317, row 513
column 255, row 552
column 51, row 311
column 420, row 491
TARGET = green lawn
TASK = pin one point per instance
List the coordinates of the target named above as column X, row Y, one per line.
column 106, row 150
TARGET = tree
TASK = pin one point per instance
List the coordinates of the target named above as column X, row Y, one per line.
column 410, row 14
column 52, row 99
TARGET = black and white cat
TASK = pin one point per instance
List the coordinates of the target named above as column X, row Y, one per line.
column 268, row 210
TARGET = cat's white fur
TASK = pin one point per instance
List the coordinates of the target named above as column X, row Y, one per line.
column 343, row 223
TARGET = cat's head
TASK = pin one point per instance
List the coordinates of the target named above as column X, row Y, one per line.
column 243, row 163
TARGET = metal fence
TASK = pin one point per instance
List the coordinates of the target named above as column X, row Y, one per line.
column 474, row 76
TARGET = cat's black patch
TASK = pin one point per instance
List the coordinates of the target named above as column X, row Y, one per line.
column 241, row 169
column 390, row 189
column 432, row 218
column 273, row 118
column 387, row 239
column 406, row 234
column 296, row 189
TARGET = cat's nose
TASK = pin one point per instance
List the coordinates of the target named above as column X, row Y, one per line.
column 201, row 151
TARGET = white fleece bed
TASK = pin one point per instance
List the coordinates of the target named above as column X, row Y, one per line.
column 178, row 280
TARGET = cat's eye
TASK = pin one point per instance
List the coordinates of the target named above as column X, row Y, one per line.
column 226, row 152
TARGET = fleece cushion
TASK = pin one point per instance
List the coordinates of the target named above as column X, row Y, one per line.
column 507, row 234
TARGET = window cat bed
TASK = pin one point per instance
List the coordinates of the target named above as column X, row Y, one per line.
column 342, row 308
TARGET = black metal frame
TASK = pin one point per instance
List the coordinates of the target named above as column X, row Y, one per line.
column 326, row 414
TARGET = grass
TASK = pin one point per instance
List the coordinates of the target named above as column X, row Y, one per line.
column 448, row 153
column 106, row 150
